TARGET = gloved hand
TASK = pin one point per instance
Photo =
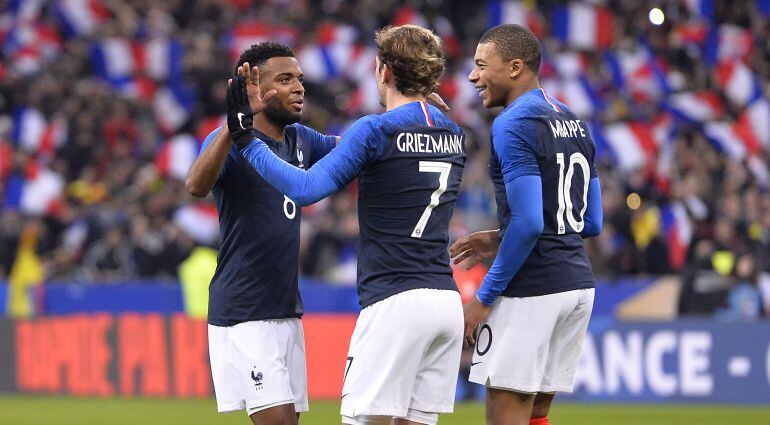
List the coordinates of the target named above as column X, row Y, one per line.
column 240, row 118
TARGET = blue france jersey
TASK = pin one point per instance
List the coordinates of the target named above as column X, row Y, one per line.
column 407, row 193
column 256, row 275
column 537, row 135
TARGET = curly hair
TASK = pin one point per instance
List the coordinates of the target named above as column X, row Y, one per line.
column 515, row 42
column 414, row 54
column 258, row 54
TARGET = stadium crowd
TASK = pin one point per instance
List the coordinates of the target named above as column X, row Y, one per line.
column 103, row 104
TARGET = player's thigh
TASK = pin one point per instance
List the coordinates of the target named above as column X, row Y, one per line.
column 504, row 407
column 512, row 344
column 282, row 414
column 385, row 355
column 436, row 382
column 567, row 342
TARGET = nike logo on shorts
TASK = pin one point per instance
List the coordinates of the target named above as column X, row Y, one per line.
column 474, row 364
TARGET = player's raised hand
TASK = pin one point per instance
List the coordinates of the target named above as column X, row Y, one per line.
column 257, row 100
column 240, row 119
column 438, row 102
column 477, row 246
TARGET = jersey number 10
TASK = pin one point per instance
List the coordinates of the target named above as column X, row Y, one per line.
column 563, row 195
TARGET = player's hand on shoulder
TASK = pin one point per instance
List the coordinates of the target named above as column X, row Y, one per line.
column 240, row 118
column 436, row 100
column 477, row 246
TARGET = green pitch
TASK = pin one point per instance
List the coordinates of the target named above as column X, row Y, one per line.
column 29, row 410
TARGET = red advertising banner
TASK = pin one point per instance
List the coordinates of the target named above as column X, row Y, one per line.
column 147, row 355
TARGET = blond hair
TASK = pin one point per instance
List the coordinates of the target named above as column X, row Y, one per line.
column 414, row 54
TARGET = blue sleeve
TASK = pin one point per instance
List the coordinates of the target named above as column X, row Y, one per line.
column 525, row 197
column 320, row 144
column 594, row 215
column 333, row 172
column 515, row 145
column 205, row 144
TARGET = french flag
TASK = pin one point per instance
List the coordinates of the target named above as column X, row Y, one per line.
column 639, row 73
column 34, row 134
column 727, row 42
column 576, row 93
column 199, row 221
column 726, row 137
column 678, row 229
column 37, row 192
column 664, row 131
column 584, row 26
column 754, row 123
column 173, row 105
column 81, row 17
column 318, row 63
column 633, row 144
column 739, row 84
column 408, row 15
column 163, row 58
column 513, row 12
column 569, row 64
column 701, row 8
column 697, row 107
column 116, row 59
column 176, row 156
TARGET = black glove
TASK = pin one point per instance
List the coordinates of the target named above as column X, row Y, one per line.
column 240, row 119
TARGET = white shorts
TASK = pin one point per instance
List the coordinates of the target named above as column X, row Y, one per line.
column 532, row 344
column 404, row 357
column 257, row 365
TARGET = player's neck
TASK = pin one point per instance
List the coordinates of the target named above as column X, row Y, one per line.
column 269, row 127
column 526, row 86
column 394, row 99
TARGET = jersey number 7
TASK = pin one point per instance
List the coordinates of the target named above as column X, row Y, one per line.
column 443, row 168
column 565, row 185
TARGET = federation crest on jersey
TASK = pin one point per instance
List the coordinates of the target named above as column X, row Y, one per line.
column 300, row 158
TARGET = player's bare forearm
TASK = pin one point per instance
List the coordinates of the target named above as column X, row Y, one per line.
column 206, row 168
column 475, row 247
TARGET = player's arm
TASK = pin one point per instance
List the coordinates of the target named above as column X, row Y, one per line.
column 330, row 174
column 206, row 169
column 525, row 198
column 594, row 216
column 524, row 193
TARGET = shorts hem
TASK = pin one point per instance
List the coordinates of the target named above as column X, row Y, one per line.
column 376, row 411
column 265, row 406
column 442, row 408
column 503, row 384
column 230, row 408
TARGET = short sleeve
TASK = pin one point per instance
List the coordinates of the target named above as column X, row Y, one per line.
column 513, row 140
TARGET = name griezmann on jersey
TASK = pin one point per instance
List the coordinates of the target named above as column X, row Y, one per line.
column 426, row 143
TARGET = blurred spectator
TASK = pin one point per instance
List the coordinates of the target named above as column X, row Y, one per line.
column 99, row 119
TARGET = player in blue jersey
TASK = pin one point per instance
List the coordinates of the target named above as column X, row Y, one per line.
column 535, row 302
column 405, row 351
column 256, row 343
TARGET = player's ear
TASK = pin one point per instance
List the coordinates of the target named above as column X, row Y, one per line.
column 516, row 68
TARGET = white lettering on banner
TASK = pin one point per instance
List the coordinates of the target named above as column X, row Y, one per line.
column 588, row 373
column 630, row 363
column 660, row 382
column 623, row 361
column 694, row 363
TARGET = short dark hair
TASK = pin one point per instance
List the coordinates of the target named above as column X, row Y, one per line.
column 258, row 54
column 515, row 42
column 415, row 56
